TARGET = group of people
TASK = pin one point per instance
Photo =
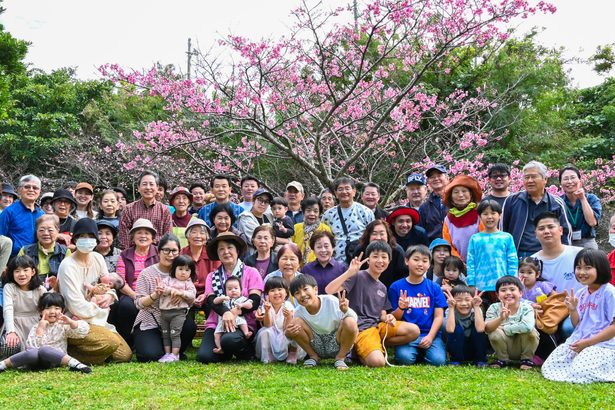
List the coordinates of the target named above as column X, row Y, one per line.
column 449, row 277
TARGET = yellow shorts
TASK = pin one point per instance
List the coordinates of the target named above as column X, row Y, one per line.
column 370, row 339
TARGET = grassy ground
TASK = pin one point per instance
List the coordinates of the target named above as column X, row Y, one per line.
column 252, row 385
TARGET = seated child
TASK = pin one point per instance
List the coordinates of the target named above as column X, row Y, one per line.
column 510, row 325
column 454, row 273
column 272, row 345
column 588, row 355
column 368, row 298
column 323, row 325
column 232, row 298
column 535, row 288
column 465, row 327
column 175, row 302
column 418, row 300
column 95, row 292
column 46, row 343
column 283, row 225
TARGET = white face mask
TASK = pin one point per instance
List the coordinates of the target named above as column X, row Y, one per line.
column 612, row 239
column 86, row 245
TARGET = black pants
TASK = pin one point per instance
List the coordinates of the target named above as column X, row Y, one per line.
column 148, row 343
column 233, row 344
column 122, row 316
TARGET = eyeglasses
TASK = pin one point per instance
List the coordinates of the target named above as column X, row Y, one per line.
column 46, row 230
column 31, row 188
column 263, row 201
column 498, row 176
column 168, row 251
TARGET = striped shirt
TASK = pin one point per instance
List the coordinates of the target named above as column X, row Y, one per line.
column 148, row 317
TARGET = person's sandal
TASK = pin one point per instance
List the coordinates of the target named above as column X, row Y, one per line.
column 498, row 364
column 340, row 365
column 310, row 363
column 526, row 364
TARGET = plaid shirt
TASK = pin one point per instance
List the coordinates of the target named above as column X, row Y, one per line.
column 157, row 213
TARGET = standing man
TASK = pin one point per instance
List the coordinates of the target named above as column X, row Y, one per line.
column 221, row 188
column 416, row 190
column 348, row 219
column 370, row 198
column 198, row 197
column 18, row 221
column 248, row 186
column 8, row 196
column 499, row 180
column 294, row 195
column 521, row 209
column 148, row 208
column 433, row 211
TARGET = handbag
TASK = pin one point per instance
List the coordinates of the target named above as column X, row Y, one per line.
column 5, row 350
column 351, row 246
column 554, row 311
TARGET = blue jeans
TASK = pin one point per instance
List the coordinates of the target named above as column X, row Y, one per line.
column 465, row 349
column 411, row 353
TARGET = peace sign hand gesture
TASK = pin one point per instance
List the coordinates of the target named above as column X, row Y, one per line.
column 450, row 300
column 404, row 301
column 356, row 263
column 477, row 300
column 344, row 304
column 505, row 313
column 571, row 301
column 160, row 288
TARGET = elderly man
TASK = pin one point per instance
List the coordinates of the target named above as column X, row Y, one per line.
column 433, row 211
column 347, row 220
column 370, row 198
column 294, row 195
column 521, row 209
column 148, row 208
column 416, row 190
column 18, row 221
column 499, row 180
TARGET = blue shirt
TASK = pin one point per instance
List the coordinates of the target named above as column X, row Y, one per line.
column 19, row 223
column 576, row 218
column 297, row 217
column 205, row 211
column 425, row 297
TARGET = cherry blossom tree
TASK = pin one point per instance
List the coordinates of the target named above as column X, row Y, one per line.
column 331, row 98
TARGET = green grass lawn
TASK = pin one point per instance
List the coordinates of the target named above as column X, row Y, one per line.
column 253, row 385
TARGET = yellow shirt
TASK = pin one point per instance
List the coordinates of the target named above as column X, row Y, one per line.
column 43, row 258
column 303, row 242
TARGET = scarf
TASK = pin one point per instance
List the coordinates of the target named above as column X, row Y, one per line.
column 465, row 217
column 308, row 231
column 219, row 277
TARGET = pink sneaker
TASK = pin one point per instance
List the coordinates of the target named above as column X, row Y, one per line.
column 168, row 357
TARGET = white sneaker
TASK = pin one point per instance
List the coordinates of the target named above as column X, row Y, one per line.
column 168, row 357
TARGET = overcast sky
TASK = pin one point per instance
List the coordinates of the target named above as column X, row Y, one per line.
column 138, row 33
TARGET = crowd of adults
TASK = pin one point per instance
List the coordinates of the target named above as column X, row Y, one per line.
column 76, row 239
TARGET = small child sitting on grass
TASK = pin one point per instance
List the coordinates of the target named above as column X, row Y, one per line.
column 510, row 325
column 368, row 298
column 324, row 326
column 465, row 327
column 47, row 342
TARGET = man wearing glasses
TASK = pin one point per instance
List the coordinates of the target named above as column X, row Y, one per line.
column 499, row 180
column 18, row 221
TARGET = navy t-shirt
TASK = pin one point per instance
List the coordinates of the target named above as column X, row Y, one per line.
column 425, row 297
